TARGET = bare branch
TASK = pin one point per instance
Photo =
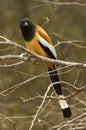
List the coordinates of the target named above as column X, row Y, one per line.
column 4, row 118
column 73, row 89
column 61, row 3
column 41, row 58
column 72, row 122
column 40, row 107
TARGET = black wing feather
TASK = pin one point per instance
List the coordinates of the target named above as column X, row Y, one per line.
column 47, row 50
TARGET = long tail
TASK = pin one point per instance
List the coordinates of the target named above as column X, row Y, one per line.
column 63, row 104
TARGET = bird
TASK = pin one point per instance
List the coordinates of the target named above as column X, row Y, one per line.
column 37, row 40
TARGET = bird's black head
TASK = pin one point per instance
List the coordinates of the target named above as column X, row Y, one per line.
column 28, row 29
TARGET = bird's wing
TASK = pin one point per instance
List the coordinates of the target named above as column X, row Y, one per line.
column 48, row 48
column 43, row 34
column 45, row 42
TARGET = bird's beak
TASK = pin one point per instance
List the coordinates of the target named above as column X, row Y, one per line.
column 25, row 24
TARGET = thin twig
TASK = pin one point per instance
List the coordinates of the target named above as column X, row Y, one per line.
column 61, row 3
column 43, row 59
column 40, row 107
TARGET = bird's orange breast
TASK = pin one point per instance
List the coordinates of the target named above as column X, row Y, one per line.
column 34, row 46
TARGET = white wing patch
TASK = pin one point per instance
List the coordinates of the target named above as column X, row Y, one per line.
column 49, row 46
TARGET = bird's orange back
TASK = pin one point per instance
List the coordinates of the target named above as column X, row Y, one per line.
column 43, row 34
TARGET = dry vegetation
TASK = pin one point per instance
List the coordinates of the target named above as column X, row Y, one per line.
column 27, row 98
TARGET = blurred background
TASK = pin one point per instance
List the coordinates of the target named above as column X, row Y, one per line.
column 62, row 23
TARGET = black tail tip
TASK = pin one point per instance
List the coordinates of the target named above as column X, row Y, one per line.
column 66, row 112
